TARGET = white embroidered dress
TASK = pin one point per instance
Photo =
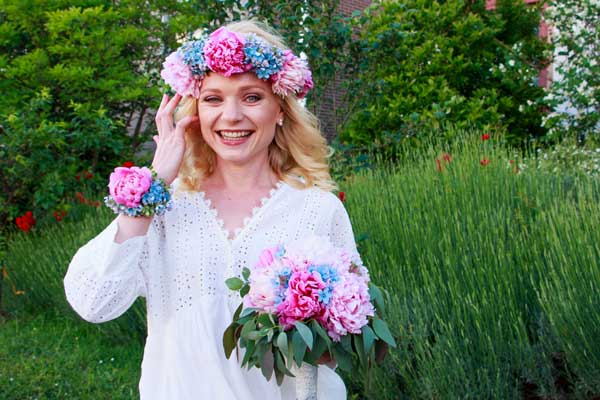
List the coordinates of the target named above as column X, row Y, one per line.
column 180, row 266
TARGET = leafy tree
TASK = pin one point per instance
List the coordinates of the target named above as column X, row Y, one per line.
column 79, row 76
column 75, row 76
column 575, row 94
column 423, row 64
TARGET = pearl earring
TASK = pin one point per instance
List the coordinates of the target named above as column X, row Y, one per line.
column 280, row 122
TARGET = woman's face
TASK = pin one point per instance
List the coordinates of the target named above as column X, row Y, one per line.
column 238, row 116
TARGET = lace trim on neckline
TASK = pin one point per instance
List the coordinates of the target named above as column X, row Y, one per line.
column 247, row 220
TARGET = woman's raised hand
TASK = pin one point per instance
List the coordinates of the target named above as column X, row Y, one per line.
column 170, row 141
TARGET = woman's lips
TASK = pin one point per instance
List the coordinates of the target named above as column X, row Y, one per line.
column 234, row 137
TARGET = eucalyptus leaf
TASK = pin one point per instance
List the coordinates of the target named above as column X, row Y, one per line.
column 321, row 332
column 245, row 273
column 299, row 347
column 237, row 312
column 249, row 353
column 247, row 311
column 248, row 327
column 229, row 340
column 368, row 338
column 377, row 297
column 305, row 333
column 265, row 320
column 253, row 335
column 346, row 342
column 382, row 330
column 234, row 283
column 244, row 290
column 267, row 365
column 360, row 349
column 282, row 342
column 343, row 358
column 320, row 346
column 279, row 377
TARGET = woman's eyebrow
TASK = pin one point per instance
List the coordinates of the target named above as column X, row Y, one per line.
column 240, row 89
column 247, row 87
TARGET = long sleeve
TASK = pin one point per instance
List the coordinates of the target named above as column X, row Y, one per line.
column 341, row 229
column 104, row 278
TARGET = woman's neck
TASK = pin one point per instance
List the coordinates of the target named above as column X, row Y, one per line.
column 236, row 178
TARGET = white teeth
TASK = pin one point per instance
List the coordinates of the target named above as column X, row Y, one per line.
column 234, row 134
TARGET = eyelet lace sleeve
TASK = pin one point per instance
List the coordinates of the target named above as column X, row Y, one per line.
column 341, row 230
column 104, row 278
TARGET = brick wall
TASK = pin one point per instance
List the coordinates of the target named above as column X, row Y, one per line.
column 331, row 107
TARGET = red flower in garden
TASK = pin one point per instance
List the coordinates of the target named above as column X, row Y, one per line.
column 439, row 165
column 59, row 215
column 511, row 162
column 128, row 164
column 97, row 203
column 447, row 157
column 77, row 177
column 80, row 197
column 485, row 137
column 484, row 162
column 26, row 221
column 88, row 175
column 342, row 196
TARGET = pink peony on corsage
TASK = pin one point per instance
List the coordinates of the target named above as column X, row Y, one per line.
column 303, row 299
column 179, row 76
column 295, row 77
column 224, row 53
column 128, row 185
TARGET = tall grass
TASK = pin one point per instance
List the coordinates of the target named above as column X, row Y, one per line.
column 493, row 274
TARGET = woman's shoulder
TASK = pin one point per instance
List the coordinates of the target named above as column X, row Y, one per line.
column 314, row 195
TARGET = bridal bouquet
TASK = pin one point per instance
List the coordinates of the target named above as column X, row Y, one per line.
column 301, row 301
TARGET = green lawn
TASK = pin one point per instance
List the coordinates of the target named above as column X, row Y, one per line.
column 53, row 357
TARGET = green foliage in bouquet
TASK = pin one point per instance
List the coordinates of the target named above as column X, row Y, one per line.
column 422, row 64
column 272, row 349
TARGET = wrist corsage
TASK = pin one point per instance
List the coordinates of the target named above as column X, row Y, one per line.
column 137, row 192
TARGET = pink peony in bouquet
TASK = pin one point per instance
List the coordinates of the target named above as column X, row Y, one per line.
column 302, row 300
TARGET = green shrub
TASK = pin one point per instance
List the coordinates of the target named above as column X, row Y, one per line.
column 44, row 161
column 422, row 64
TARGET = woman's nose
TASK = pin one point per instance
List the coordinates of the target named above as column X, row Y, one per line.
column 232, row 111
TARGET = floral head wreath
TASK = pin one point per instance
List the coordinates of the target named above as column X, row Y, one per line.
column 226, row 53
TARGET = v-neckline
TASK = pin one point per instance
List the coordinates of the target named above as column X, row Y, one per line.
column 229, row 236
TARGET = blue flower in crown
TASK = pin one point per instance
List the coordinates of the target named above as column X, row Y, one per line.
column 193, row 56
column 266, row 60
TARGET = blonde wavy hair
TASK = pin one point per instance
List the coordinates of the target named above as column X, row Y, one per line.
column 298, row 150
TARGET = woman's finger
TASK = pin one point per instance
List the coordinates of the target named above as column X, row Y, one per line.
column 172, row 104
column 185, row 123
column 164, row 101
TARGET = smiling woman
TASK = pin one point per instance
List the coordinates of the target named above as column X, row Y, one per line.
column 298, row 149
column 247, row 169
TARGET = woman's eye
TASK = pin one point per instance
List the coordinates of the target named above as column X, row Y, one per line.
column 253, row 98
column 211, row 99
